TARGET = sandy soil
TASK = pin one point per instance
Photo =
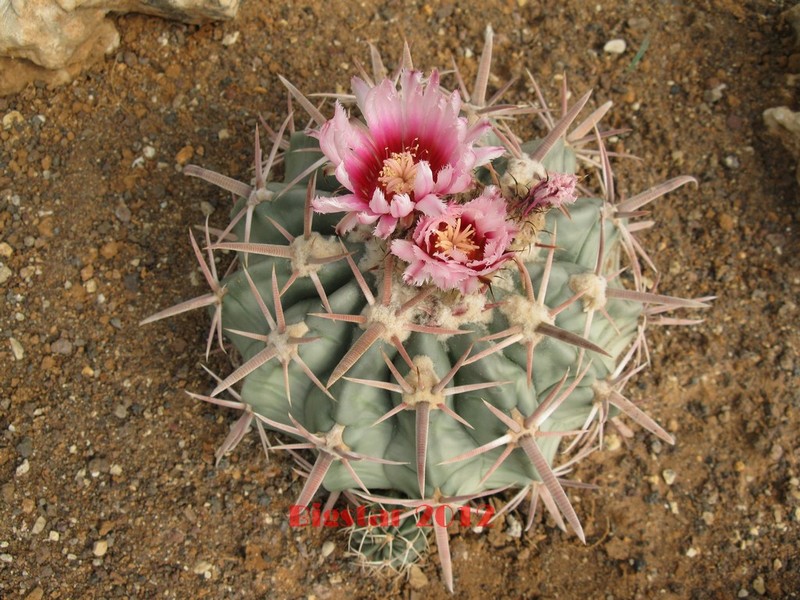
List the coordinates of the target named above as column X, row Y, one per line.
column 107, row 475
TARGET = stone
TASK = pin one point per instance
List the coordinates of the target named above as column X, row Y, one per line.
column 54, row 40
column 617, row 46
column 5, row 273
column 23, row 468
column 669, row 476
column 36, row 594
column 10, row 119
column 758, row 586
column 416, row 578
column 100, row 548
column 16, row 349
column 39, row 526
column 61, row 346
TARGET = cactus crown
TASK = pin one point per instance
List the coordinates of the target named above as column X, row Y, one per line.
column 429, row 305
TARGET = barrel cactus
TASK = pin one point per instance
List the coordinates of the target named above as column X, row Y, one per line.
column 427, row 308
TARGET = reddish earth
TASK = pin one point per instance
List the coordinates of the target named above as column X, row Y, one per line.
column 107, row 475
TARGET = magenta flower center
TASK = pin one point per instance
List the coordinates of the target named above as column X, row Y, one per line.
column 457, row 237
column 398, row 173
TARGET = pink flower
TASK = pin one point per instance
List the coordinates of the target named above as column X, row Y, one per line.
column 555, row 191
column 413, row 150
column 459, row 247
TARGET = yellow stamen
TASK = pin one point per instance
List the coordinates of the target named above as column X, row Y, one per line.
column 399, row 173
column 453, row 237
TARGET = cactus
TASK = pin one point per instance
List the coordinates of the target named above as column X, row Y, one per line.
column 471, row 309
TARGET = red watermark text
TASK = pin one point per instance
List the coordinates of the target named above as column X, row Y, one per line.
column 428, row 516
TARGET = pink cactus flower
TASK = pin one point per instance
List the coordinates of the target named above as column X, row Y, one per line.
column 555, row 191
column 413, row 150
column 460, row 247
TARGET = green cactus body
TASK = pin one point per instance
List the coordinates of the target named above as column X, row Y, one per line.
column 357, row 406
column 418, row 395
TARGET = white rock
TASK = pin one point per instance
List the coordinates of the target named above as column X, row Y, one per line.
column 53, row 40
column 100, row 548
column 12, row 118
column 16, row 349
column 230, row 39
column 39, row 526
column 615, row 46
column 669, row 476
column 5, row 273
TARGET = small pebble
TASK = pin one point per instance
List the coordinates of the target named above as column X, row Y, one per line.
column 61, row 346
column 39, row 526
column 109, row 250
column 11, row 118
column 230, row 39
column 617, row 46
column 87, row 272
column 16, row 348
column 328, row 548
column 669, row 476
column 638, row 23
column 5, row 250
column 6, row 558
column 36, row 594
column 123, row 213
column 714, row 94
column 731, row 161
column 184, row 155
column 203, row 568
column 5, row 273
column 100, row 548
column 743, row 593
column 758, row 586
column 692, row 552
column 25, row 447
column 416, row 578
column 223, row 134
column 23, row 468
column 53, row 536
column 726, row 222
column 149, row 152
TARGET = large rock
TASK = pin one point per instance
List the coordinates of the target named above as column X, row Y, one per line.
column 53, row 40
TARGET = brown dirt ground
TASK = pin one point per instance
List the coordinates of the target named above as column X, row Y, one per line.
column 100, row 444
